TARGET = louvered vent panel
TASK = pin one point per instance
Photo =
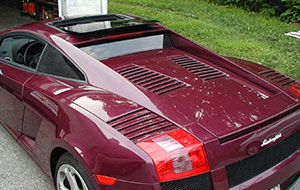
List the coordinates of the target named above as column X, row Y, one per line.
column 150, row 80
column 141, row 124
column 278, row 78
column 200, row 69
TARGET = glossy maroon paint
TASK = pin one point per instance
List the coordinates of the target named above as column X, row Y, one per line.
column 11, row 97
column 61, row 114
column 223, row 106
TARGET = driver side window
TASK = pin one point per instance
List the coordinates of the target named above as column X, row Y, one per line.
column 22, row 50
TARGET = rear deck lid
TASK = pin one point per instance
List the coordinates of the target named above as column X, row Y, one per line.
column 221, row 101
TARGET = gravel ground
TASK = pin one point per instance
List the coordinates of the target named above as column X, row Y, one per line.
column 17, row 170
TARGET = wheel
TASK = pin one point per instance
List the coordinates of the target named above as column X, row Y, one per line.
column 69, row 175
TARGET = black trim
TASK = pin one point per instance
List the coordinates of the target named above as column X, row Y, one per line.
column 117, row 22
column 62, row 78
column 37, row 65
column 88, row 19
column 18, row 66
column 21, row 34
column 26, row 33
column 198, row 182
column 246, row 169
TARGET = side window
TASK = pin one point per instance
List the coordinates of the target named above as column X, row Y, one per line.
column 21, row 50
column 54, row 63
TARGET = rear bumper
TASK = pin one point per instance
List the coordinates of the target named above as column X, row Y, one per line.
column 283, row 174
column 120, row 184
column 279, row 174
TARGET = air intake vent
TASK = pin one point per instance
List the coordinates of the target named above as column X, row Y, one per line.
column 141, row 124
column 150, row 80
column 278, row 78
column 200, row 69
column 248, row 168
column 202, row 182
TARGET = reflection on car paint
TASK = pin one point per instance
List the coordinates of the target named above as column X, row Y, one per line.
column 44, row 100
column 61, row 91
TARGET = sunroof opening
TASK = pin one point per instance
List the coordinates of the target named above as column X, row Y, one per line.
column 89, row 24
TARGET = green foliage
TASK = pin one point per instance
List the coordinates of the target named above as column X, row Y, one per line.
column 292, row 13
column 288, row 10
column 227, row 30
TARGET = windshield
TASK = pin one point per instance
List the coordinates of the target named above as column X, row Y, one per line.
column 114, row 49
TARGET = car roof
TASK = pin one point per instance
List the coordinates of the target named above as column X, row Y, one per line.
column 82, row 30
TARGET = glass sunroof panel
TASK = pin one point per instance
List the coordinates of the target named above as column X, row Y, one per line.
column 98, row 23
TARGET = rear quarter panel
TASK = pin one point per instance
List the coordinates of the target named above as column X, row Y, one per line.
column 98, row 147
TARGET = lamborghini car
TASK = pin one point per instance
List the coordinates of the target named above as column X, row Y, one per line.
column 118, row 102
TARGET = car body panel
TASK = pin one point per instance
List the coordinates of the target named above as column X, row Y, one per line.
column 11, row 90
column 222, row 106
column 68, row 121
column 232, row 115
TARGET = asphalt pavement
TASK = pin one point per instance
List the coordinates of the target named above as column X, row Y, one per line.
column 17, row 170
column 11, row 17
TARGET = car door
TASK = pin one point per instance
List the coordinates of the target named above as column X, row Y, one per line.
column 13, row 75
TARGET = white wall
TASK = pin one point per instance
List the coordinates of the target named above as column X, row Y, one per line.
column 82, row 7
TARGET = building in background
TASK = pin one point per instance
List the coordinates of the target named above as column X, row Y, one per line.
column 81, row 7
column 48, row 9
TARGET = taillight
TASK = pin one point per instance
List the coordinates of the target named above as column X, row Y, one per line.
column 176, row 155
column 295, row 89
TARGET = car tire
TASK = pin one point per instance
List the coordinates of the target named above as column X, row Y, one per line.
column 69, row 174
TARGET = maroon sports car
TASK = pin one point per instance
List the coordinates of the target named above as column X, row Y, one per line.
column 118, row 102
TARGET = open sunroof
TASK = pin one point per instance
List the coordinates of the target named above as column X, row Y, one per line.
column 83, row 25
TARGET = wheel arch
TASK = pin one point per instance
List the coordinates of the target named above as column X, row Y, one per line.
column 55, row 155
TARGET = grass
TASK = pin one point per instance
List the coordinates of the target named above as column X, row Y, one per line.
column 226, row 30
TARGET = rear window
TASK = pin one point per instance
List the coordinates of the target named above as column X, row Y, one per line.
column 114, row 49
